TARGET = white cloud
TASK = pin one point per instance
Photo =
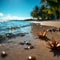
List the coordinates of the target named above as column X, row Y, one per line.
column 10, row 17
column 1, row 14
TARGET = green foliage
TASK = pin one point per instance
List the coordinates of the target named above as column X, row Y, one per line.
column 35, row 12
column 49, row 9
column 55, row 6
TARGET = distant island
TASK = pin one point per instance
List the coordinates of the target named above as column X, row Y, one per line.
column 42, row 20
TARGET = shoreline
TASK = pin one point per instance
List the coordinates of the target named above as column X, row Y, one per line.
column 16, row 51
column 48, row 23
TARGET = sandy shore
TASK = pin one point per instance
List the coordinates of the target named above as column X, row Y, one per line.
column 16, row 51
column 48, row 23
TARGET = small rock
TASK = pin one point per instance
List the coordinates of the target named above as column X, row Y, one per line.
column 3, row 54
column 21, row 43
column 29, row 47
column 31, row 58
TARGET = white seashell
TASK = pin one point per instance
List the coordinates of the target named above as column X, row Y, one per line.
column 3, row 52
column 29, row 57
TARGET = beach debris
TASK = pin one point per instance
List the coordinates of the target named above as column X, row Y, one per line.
column 21, row 43
column 31, row 58
column 55, row 29
column 3, row 54
column 25, row 42
column 49, row 30
column 54, row 45
column 42, row 34
column 2, row 37
column 28, row 47
column 10, row 35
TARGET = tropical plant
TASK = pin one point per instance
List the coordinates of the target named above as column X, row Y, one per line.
column 35, row 12
column 54, row 45
column 54, row 5
column 50, row 9
column 42, row 34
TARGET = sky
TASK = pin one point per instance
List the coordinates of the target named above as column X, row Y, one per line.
column 17, row 9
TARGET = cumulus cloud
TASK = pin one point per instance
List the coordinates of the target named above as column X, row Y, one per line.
column 10, row 17
column 1, row 14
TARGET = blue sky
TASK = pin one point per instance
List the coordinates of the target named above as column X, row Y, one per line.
column 17, row 8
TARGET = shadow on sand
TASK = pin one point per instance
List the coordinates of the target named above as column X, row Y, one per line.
column 45, row 38
column 10, row 36
column 56, row 52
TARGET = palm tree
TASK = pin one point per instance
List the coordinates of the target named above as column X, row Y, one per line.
column 49, row 9
column 35, row 12
column 43, row 11
column 54, row 5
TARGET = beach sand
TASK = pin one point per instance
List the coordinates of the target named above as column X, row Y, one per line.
column 16, row 51
column 48, row 23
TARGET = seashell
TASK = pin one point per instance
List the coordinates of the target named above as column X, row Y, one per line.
column 3, row 54
column 31, row 58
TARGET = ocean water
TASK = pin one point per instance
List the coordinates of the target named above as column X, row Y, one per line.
column 22, row 26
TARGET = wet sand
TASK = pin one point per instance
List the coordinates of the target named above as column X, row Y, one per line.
column 16, row 51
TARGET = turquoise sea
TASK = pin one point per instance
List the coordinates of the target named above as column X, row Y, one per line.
column 21, row 27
